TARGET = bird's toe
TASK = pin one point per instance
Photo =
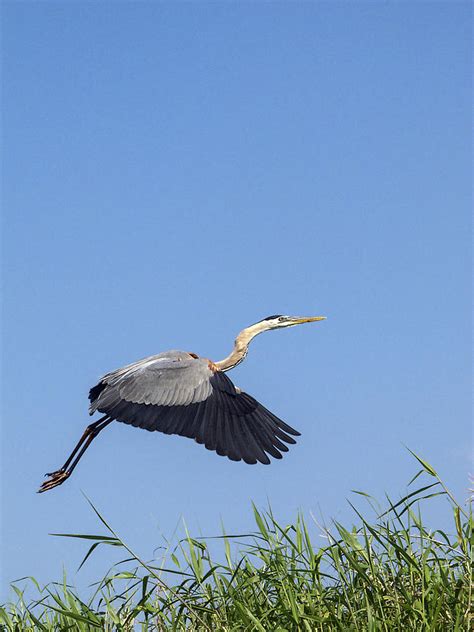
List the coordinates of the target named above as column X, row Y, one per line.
column 56, row 478
column 55, row 473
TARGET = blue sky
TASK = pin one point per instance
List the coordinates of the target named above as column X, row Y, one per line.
column 175, row 172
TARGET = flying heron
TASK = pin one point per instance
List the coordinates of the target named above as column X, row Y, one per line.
column 177, row 392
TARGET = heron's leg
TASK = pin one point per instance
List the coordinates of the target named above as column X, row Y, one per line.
column 91, row 429
column 90, row 433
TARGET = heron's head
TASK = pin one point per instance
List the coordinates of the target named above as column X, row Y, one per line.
column 278, row 321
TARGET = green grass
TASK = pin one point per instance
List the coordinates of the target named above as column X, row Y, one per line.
column 389, row 573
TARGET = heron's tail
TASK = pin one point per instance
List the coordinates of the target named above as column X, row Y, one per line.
column 94, row 394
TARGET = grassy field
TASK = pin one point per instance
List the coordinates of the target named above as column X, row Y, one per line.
column 389, row 573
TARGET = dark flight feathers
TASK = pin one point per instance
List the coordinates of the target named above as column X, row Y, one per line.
column 228, row 421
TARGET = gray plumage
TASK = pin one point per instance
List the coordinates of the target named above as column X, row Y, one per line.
column 170, row 378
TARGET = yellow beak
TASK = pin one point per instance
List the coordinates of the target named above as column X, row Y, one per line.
column 310, row 319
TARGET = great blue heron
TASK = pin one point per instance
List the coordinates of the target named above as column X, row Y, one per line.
column 180, row 393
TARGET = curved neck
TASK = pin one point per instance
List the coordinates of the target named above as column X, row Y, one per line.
column 241, row 347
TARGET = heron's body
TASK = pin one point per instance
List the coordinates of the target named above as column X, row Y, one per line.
column 177, row 392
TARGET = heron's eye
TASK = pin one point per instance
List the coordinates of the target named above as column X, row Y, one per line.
column 281, row 319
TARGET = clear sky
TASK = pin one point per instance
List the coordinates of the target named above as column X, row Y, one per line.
column 176, row 171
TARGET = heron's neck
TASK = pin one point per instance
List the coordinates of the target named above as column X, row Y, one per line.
column 241, row 347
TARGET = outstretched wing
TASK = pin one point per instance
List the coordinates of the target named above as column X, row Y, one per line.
column 178, row 394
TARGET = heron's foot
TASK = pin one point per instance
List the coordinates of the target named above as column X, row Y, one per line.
column 55, row 479
column 55, row 473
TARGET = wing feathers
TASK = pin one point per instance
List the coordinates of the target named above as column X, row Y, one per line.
column 242, row 443
column 257, row 451
column 229, row 432
column 180, row 395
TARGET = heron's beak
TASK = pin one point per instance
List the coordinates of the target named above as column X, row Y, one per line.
column 310, row 319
